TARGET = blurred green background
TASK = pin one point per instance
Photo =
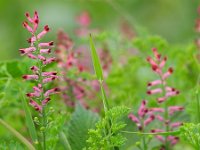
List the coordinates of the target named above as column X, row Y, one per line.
column 172, row 19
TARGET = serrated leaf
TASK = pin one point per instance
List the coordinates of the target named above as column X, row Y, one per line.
column 81, row 121
column 95, row 60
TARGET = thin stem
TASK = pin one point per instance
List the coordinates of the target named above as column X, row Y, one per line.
column 166, row 116
column 143, row 137
column 198, row 109
column 156, row 133
column 40, row 78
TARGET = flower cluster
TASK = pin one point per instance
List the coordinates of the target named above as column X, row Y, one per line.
column 145, row 116
column 68, row 58
column 197, row 28
column 39, row 52
column 164, row 92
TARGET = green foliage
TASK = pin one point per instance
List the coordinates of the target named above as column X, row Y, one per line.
column 190, row 132
column 11, row 145
column 107, row 138
column 77, row 128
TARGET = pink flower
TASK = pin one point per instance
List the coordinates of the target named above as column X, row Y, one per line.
column 46, row 80
column 32, row 56
column 26, row 25
column 51, row 91
column 155, row 52
column 84, row 19
column 162, row 63
column 142, row 110
column 42, row 58
column 49, row 60
column 155, row 91
column 133, row 118
column 159, row 118
column 168, row 73
column 34, row 68
column 156, row 109
column 27, row 50
column 153, row 83
column 30, row 77
column 173, row 109
column 176, row 124
column 49, row 73
column 35, row 105
column 45, row 31
column 149, row 120
column 45, row 101
column 45, row 44
column 45, row 51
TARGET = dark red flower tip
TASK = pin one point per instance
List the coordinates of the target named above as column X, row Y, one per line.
column 146, row 110
column 165, row 58
column 25, row 24
column 21, row 51
column 177, row 92
column 140, row 127
column 57, row 89
column 49, row 51
column 173, row 89
column 24, row 76
column 154, row 67
column 170, row 70
column 36, row 21
column 51, row 43
column 152, row 117
column 149, row 92
column 28, row 94
column 153, row 131
column 144, row 102
column 29, row 40
column 149, row 84
column 46, row 28
column 148, row 58
column 27, row 14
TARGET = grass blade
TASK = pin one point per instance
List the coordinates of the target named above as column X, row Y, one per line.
column 29, row 121
column 65, row 142
column 95, row 60
column 18, row 135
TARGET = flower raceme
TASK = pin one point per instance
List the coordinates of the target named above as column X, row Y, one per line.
column 157, row 66
column 144, row 117
column 40, row 53
column 160, row 88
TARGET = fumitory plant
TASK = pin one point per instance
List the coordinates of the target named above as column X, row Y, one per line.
column 39, row 52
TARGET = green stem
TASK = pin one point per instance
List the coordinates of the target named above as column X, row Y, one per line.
column 40, row 81
column 198, row 109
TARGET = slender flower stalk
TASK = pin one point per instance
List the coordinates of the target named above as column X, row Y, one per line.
column 164, row 93
column 145, row 117
column 39, row 52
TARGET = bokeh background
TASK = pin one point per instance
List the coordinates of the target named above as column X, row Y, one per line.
column 172, row 19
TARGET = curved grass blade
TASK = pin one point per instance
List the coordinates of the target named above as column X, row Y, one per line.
column 65, row 142
column 29, row 121
column 17, row 135
column 95, row 60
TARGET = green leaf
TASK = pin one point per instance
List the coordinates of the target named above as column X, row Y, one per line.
column 13, row 69
column 81, row 121
column 96, row 62
column 18, row 135
column 29, row 121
